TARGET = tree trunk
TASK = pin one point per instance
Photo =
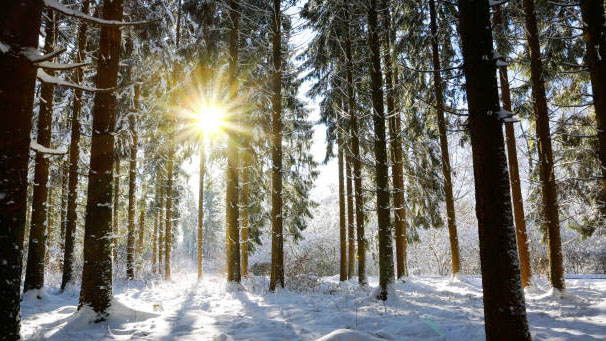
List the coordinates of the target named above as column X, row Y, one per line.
column 50, row 220
column 74, row 159
column 512, row 156
column 17, row 84
column 245, row 205
column 96, row 290
column 116, row 206
column 201, row 209
column 386, row 273
column 169, row 208
column 396, row 147
column 357, row 160
column 161, row 226
column 277, row 237
column 546, row 173
column 350, row 220
column 141, row 235
column 439, row 91
column 34, row 271
column 63, row 216
column 132, row 193
column 155, row 237
column 595, row 38
column 504, row 306
column 342, row 222
column 231, row 196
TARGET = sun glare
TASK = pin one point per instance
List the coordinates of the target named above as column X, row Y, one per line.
column 210, row 118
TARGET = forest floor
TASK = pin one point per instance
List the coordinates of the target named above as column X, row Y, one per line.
column 428, row 308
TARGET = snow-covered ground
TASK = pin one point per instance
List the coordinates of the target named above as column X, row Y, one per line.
column 427, row 308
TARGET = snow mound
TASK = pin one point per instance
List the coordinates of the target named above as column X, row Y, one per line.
column 118, row 314
column 347, row 335
column 34, row 297
column 562, row 296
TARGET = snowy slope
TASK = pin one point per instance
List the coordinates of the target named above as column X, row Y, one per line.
column 428, row 308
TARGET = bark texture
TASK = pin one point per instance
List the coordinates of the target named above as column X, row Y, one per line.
column 504, row 305
column 342, row 221
column 132, row 194
column 351, row 237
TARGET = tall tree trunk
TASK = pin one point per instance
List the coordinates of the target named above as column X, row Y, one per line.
column 231, row 196
column 96, row 290
column 277, row 237
column 439, row 91
column 245, row 205
column 141, row 235
column 504, row 306
column 350, row 219
column 386, row 273
column 546, row 173
column 34, row 271
column 357, row 160
column 116, row 211
column 74, row 159
column 132, row 193
column 63, row 215
column 161, row 226
column 396, row 147
column 512, row 156
column 155, row 237
column 169, row 209
column 50, row 220
column 17, row 83
column 342, row 221
column 201, row 209
column 594, row 24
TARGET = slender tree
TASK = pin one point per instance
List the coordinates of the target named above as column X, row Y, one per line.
column 504, row 306
column 96, row 289
column 386, row 272
column 277, row 237
column 439, row 93
column 132, row 193
column 512, row 157
column 156, row 222
column 17, row 83
column 116, row 206
column 246, row 165
column 201, row 207
column 351, row 237
column 36, row 252
column 546, row 173
column 342, row 221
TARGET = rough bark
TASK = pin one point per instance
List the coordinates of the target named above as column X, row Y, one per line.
column 96, row 290
column 512, row 157
column 546, row 173
column 595, row 39
column 396, row 147
column 74, row 159
column 351, row 243
column 439, row 92
column 504, row 306
column 17, row 83
column 201, row 209
column 231, row 196
column 161, row 226
column 36, row 252
column 277, row 237
column 386, row 271
column 357, row 161
column 342, row 221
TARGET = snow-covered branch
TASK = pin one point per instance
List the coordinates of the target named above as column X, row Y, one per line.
column 60, row 67
column 46, row 78
column 54, row 5
column 38, row 148
column 34, row 56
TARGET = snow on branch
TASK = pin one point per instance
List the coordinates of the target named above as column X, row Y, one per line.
column 54, row 5
column 60, row 67
column 46, row 78
column 34, row 56
column 38, row 148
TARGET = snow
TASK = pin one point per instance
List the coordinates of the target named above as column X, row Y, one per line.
column 428, row 308
column 46, row 78
column 44, row 150
column 54, row 5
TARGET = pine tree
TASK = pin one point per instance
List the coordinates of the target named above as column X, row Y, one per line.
column 504, row 306
column 17, row 83
column 96, row 289
column 342, row 222
column 132, row 193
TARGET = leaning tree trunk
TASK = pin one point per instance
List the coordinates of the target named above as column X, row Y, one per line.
column 386, row 273
column 132, row 193
column 74, row 159
column 504, row 306
column 546, row 172
column 201, row 208
column 96, row 290
column 17, row 83
column 351, row 254
column 396, row 147
column 36, row 252
column 594, row 24
column 357, row 160
column 439, row 91
column 512, row 156
column 231, row 195
column 277, row 237
column 342, row 222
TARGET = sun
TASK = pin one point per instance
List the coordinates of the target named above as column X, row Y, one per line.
column 210, row 118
